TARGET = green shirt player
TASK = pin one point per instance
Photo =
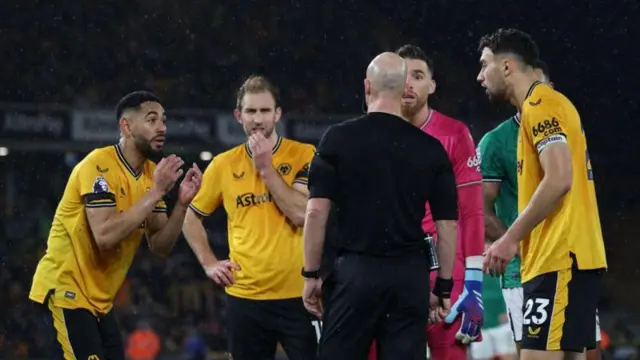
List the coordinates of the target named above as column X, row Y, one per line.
column 500, row 186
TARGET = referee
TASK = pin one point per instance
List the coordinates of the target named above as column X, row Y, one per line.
column 379, row 170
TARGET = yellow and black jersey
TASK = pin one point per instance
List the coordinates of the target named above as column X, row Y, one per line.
column 266, row 245
column 574, row 226
column 73, row 270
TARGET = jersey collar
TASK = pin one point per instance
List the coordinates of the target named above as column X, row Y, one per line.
column 126, row 164
column 427, row 120
column 273, row 151
column 516, row 119
column 533, row 86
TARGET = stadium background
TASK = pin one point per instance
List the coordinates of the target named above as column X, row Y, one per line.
column 66, row 65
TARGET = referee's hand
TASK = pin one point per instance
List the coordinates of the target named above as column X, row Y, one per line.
column 312, row 296
column 222, row 272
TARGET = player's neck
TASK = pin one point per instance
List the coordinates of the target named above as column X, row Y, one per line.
column 521, row 87
column 134, row 158
column 384, row 105
column 422, row 117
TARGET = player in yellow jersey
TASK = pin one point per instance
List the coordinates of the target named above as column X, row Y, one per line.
column 262, row 186
column 113, row 197
column 558, row 226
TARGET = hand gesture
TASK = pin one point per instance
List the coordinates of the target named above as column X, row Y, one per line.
column 190, row 185
column 167, row 173
column 439, row 308
column 222, row 272
column 498, row 256
column 260, row 151
column 312, row 296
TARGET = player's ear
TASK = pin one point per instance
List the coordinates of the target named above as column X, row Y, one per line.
column 278, row 113
column 432, row 87
column 238, row 115
column 125, row 127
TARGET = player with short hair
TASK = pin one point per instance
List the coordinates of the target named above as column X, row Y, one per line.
column 498, row 150
column 558, row 226
column 449, row 340
column 262, row 185
column 113, row 197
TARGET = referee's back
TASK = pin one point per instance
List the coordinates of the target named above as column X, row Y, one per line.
column 379, row 170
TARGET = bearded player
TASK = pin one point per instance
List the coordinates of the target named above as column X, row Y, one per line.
column 449, row 340
column 113, row 198
column 558, row 227
column 498, row 149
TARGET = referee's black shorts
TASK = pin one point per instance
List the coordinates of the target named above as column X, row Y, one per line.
column 255, row 328
column 79, row 334
column 366, row 298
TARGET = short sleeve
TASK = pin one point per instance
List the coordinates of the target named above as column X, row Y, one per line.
column 466, row 162
column 161, row 207
column 489, row 152
column 97, row 184
column 544, row 125
column 444, row 199
column 209, row 197
column 323, row 175
column 302, row 173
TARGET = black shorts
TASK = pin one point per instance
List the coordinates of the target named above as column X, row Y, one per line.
column 559, row 310
column 78, row 334
column 256, row 326
column 368, row 298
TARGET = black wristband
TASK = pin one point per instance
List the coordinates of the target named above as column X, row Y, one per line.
column 310, row 274
column 443, row 287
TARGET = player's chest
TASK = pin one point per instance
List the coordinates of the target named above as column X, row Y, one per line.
column 130, row 190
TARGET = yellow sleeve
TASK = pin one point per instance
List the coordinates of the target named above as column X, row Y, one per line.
column 302, row 167
column 97, row 183
column 545, row 124
column 210, row 195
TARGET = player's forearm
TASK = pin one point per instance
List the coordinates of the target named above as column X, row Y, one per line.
column 315, row 228
column 471, row 226
column 290, row 201
column 494, row 228
column 162, row 242
column 446, row 247
column 196, row 236
column 120, row 225
column 544, row 200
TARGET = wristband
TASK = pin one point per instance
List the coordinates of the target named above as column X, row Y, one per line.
column 443, row 287
column 310, row 274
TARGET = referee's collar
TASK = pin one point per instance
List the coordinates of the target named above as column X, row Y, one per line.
column 273, row 151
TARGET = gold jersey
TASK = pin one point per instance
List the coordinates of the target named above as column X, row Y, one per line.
column 73, row 271
column 573, row 227
column 262, row 241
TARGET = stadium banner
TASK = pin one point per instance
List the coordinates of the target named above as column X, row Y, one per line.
column 33, row 123
column 182, row 125
column 310, row 128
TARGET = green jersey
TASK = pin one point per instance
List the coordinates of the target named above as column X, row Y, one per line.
column 498, row 151
column 492, row 301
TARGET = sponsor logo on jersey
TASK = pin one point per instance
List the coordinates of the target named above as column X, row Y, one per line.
column 475, row 161
column 546, row 128
column 251, row 199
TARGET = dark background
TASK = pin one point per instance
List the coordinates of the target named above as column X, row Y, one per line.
column 77, row 56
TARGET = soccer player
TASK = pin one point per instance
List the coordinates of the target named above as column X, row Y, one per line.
column 498, row 150
column 262, row 185
column 558, row 227
column 379, row 286
column 449, row 340
column 113, row 197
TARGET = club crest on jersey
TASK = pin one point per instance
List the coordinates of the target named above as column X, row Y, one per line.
column 100, row 185
column 284, row 169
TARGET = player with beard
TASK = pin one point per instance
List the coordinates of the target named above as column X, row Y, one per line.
column 113, row 197
column 449, row 340
column 557, row 227
column 262, row 185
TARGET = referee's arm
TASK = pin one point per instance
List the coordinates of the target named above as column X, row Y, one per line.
column 444, row 209
column 322, row 190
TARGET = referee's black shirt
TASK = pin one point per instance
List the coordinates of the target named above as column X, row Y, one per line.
column 379, row 171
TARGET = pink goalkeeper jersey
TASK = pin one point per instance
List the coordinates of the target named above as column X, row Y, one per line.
column 457, row 141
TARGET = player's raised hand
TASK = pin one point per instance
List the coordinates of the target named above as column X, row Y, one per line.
column 190, row 185
column 312, row 296
column 167, row 172
column 222, row 272
column 260, row 151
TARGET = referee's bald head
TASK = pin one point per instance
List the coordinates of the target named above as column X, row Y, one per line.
column 386, row 75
